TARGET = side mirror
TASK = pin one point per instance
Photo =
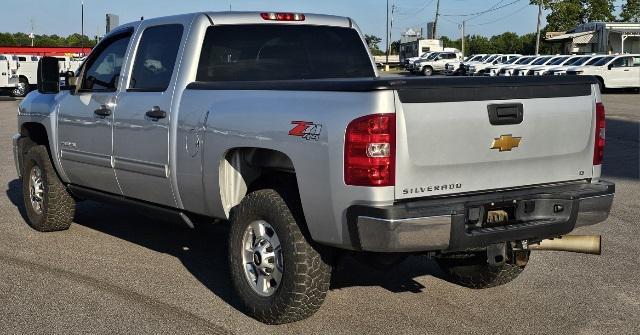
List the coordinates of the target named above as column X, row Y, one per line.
column 610, row 66
column 48, row 75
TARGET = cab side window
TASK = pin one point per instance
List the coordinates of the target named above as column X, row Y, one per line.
column 103, row 69
column 620, row 62
column 156, row 58
column 636, row 62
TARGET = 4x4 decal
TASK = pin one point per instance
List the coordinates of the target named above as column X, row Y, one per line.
column 307, row 130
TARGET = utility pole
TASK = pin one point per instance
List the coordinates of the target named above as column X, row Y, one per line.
column 32, row 35
column 387, row 63
column 462, row 26
column 82, row 29
column 538, row 27
column 434, row 33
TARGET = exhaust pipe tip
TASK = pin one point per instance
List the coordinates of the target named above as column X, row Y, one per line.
column 584, row 244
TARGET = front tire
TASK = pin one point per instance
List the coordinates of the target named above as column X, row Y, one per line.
column 22, row 90
column 278, row 275
column 427, row 71
column 48, row 204
column 473, row 271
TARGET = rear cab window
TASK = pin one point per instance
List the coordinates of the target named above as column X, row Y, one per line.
column 259, row 52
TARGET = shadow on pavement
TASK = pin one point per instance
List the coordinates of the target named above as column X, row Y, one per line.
column 203, row 250
column 622, row 149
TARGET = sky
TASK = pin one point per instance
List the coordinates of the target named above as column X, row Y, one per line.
column 62, row 17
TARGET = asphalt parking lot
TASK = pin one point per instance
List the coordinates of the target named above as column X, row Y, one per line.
column 116, row 271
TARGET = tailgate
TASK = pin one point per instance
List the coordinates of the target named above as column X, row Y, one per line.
column 466, row 139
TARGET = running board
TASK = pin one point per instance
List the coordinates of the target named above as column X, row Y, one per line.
column 145, row 208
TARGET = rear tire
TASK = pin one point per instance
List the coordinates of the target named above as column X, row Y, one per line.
column 473, row 271
column 294, row 274
column 427, row 71
column 48, row 204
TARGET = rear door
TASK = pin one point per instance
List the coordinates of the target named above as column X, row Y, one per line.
column 623, row 73
column 141, row 128
column 481, row 137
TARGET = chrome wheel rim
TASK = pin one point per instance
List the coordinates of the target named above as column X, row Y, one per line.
column 36, row 189
column 262, row 258
column 19, row 91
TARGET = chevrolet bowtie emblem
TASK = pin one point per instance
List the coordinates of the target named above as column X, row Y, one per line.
column 505, row 142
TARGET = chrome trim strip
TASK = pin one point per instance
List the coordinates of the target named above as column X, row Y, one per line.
column 85, row 157
column 146, row 168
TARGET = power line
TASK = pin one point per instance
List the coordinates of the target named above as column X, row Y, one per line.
column 502, row 18
column 491, row 9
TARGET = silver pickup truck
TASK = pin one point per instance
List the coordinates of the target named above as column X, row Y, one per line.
column 279, row 125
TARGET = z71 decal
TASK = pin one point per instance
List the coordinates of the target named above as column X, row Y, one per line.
column 308, row 130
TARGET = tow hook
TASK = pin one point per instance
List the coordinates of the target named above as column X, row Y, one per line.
column 497, row 254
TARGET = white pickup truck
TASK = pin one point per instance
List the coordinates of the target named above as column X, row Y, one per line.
column 618, row 71
column 278, row 124
column 8, row 74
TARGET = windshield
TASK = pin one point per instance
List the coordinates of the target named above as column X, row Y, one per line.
column 540, row 61
column 424, row 55
column 558, row 60
column 578, row 61
column 593, row 60
column 433, row 56
column 603, row 61
column 524, row 60
column 512, row 60
column 484, row 58
column 491, row 58
column 475, row 58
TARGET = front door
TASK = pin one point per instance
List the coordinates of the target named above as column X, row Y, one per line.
column 141, row 125
column 85, row 118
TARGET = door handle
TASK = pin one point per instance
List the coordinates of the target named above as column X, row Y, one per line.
column 102, row 111
column 505, row 114
column 156, row 113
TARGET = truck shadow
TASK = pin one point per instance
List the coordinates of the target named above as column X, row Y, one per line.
column 203, row 250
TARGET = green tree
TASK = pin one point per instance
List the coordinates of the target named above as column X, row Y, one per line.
column 506, row 43
column 395, row 47
column 567, row 14
column 373, row 42
column 477, row 44
column 631, row 11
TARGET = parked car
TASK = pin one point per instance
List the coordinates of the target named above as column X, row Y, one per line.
column 524, row 70
column 493, row 70
column 279, row 123
column 458, row 68
column 541, row 70
column 479, row 69
column 27, row 74
column 436, row 64
column 582, row 61
column 509, row 70
column 621, row 71
column 408, row 62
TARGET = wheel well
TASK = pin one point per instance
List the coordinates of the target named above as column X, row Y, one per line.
column 24, row 77
column 36, row 132
column 243, row 170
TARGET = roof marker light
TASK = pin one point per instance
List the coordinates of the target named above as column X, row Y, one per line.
column 282, row 16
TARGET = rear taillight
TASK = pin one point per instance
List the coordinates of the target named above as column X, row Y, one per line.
column 282, row 16
column 598, row 150
column 369, row 151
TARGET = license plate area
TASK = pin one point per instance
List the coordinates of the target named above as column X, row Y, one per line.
column 514, row 214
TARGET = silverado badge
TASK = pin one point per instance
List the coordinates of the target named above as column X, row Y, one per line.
column 505, row 142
